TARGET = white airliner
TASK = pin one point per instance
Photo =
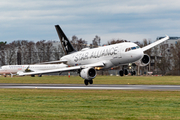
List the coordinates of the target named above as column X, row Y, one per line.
column 13, row 69
column 87, row 61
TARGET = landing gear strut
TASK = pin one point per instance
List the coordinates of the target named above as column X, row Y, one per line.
column 40, row 75
column 86, row 82
column 133, row 73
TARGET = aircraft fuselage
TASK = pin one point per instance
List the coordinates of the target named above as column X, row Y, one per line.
column 13, row 69
column 111, row 55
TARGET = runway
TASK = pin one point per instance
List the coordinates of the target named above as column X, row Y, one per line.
column 91, row 87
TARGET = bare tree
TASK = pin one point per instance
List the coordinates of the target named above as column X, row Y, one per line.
column 48, row 48
column 113, row 41
column 176, row 58
column 29, row 56
column 96, row 41
column 78, row 44
column 164, row 63
column 155, row 57
column 40, row 50
column 2, row 53
column 74, row 42
column 10, row 53
column 58, row 52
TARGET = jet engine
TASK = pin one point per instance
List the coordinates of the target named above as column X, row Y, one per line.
column 88, row 73
column 144, row 61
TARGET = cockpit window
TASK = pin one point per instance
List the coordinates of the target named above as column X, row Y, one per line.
column 137, row 47
column 132, row 48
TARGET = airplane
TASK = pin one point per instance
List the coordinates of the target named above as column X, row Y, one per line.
column 13, row 69
column 88, row 61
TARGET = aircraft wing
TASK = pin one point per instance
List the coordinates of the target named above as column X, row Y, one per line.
column 155, row 43
column 99, row 64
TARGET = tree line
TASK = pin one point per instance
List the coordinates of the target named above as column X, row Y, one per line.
column 19, row 52
column 29, row 52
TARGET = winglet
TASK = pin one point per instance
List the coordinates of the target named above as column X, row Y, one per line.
column 155, row 43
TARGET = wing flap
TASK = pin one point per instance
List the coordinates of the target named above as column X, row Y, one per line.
column 49, row 71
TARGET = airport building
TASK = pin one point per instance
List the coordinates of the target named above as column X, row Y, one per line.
column 162, row 56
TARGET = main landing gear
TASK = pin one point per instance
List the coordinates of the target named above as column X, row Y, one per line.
column 86, row 82
column 123, row 72
column 133, row 73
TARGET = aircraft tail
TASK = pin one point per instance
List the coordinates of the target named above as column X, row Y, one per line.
column 66, row 44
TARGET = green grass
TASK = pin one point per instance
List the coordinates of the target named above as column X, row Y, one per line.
column 44, row 104
column 144, row 80
column 88, row 104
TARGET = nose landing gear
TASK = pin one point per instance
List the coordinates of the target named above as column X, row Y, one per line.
column 86, row 82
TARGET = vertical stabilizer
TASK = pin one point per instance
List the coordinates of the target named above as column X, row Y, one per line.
column 66, row 44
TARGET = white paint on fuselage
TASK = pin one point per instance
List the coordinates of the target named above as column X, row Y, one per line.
column 111, row 55
column 13, row 69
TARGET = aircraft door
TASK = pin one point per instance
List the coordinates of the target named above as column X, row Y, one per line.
column 118, row 55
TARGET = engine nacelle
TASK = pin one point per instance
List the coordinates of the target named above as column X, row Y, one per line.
column 88, row 73
column 144, row 61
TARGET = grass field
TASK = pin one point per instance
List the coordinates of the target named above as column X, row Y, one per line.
column 44, row 104
column 144, row 80
column 88, row 104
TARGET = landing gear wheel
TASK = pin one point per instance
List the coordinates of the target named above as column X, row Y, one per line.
column 32, row 75
column 134, row 72
column 125, row 72
column 90, row 81
column 121, row 73
column 86, row 82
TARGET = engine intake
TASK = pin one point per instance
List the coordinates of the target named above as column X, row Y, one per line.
column 88, row 73
column 144, row 61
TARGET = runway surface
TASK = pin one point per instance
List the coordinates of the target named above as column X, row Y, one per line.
column 91, row 87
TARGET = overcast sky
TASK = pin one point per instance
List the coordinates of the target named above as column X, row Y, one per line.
column 131, row 20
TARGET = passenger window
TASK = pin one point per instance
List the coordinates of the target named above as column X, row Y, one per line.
column 126, row 50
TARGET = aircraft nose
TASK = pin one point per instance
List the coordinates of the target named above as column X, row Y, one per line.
column 139, row 54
